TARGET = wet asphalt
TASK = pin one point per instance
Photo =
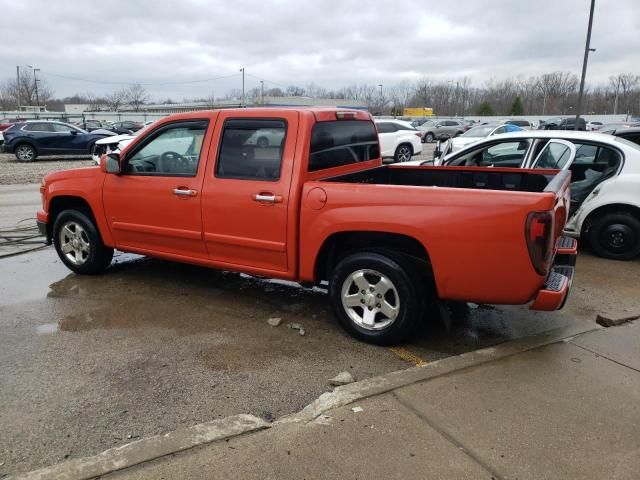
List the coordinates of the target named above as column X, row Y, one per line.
column 89, row 363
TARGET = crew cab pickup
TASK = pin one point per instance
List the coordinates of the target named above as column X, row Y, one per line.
column 316, row 205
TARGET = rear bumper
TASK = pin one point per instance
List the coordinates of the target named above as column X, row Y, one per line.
column 555, row 291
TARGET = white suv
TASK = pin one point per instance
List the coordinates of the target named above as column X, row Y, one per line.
column 399, row 140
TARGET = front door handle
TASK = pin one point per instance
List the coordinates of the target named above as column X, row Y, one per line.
column 267, row 198
column 184, row 192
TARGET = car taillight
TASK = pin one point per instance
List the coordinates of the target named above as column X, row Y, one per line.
column 420, row 134
column 539, row 235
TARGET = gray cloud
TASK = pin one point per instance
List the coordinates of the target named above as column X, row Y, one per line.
column 331, row 43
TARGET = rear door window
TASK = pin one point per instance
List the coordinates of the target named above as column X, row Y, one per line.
column 251, row 149
column 342, row 142
column 38, row 127
column 386, row 127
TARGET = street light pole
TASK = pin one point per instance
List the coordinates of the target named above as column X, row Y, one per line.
column 18, row 85
column 35, row 80
column 587, row 49
column 381, row 104
column 262, row 92
column 242, row 70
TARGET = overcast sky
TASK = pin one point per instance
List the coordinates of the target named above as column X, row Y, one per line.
column 332, row 43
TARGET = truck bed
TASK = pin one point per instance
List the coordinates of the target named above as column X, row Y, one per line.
column 453, row 177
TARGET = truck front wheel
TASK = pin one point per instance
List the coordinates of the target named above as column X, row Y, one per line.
column 375, row 297
column 78, row 243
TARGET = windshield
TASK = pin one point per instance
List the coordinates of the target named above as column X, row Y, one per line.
column 478, row 132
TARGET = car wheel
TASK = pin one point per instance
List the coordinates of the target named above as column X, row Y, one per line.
column 376, row 298
column 263, row 142
column 25, row 152
column 429, row 138
column 404, row 152
column 78, row 243
column 616, row 235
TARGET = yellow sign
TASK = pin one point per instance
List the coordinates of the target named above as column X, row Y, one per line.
column 418, row 112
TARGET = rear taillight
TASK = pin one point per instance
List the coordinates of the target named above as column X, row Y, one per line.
column 420, row 134
column 346, row 116
column 539, row 235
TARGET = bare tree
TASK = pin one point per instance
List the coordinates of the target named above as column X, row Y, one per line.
column 115, row 100
column 26, row 92
column 136, row 96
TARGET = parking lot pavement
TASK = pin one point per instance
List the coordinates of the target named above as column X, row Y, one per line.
column 14, row 172
column 88, row 363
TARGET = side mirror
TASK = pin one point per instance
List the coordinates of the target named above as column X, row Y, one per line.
column 74, row 132
column 112, row 163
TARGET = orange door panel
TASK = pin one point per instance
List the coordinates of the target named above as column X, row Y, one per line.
column 246, row 190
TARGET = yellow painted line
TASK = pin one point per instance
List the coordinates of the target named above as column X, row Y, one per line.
column 407, row 356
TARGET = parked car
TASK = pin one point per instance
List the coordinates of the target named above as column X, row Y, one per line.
column 115, row 143
column 327, row 212
column 126, row 127
column 594, row 125
column 523, row 124
column 611, row 128
column 563, row 123
column 398, row 140
column 605, row 180
column 28, row 140
column 471, row 136
column 439, row 129
column 91, row 125
column 631, row 134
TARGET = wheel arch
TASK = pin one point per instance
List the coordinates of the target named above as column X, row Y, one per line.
column 24, row 141
column 341, row 244
column 59, row 203
column 609, row 208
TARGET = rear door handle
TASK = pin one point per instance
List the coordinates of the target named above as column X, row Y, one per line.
column 267, row 198
column 184, row 192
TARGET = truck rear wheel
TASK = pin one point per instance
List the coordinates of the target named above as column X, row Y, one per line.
column 616, row 235
column 375, row 298
column 78, row 243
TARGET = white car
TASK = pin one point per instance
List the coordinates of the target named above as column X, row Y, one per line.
column 605, row 181
column 399, row 140
column 115, row 143
column 592, row 126
column 473, row 135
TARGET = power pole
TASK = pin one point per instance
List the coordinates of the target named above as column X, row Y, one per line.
column 36, row 80
column 18, row 85
column 262, row 92
column 615, row 102
column 587, row 49
column 381, row 104
column 242, row 70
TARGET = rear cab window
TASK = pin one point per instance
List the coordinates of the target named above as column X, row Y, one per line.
column 342, row 142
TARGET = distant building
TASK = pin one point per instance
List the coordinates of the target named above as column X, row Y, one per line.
column 76, row 108
column 310, row 102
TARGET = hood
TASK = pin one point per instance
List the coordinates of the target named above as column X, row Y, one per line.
column 114, row 139
column 102, row 131
column 459, row 142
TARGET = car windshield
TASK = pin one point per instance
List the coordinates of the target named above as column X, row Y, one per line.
column 478, row 132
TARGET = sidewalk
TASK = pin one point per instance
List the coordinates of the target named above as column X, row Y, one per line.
column 564, row 410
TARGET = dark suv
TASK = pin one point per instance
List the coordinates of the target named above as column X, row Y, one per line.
column 27, row 140
column 567, row 123
column 126, row 127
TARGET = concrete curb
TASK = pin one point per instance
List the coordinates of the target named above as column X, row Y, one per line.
column 147, row 449
column 377, row 385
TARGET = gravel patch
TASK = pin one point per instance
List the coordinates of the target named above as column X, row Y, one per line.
column 13, row 172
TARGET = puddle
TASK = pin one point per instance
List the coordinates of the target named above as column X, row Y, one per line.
column 47, row 329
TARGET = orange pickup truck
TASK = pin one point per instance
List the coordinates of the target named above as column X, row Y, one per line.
column 302, row 195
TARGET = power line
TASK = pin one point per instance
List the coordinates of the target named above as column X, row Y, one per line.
column 105, row 82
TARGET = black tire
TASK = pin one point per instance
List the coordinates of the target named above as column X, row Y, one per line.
column 616, row 235
column 25, row 152
column 409, row 304
column 403, row 153
column 429, row 138
column 96, row 258
column 263, row 142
